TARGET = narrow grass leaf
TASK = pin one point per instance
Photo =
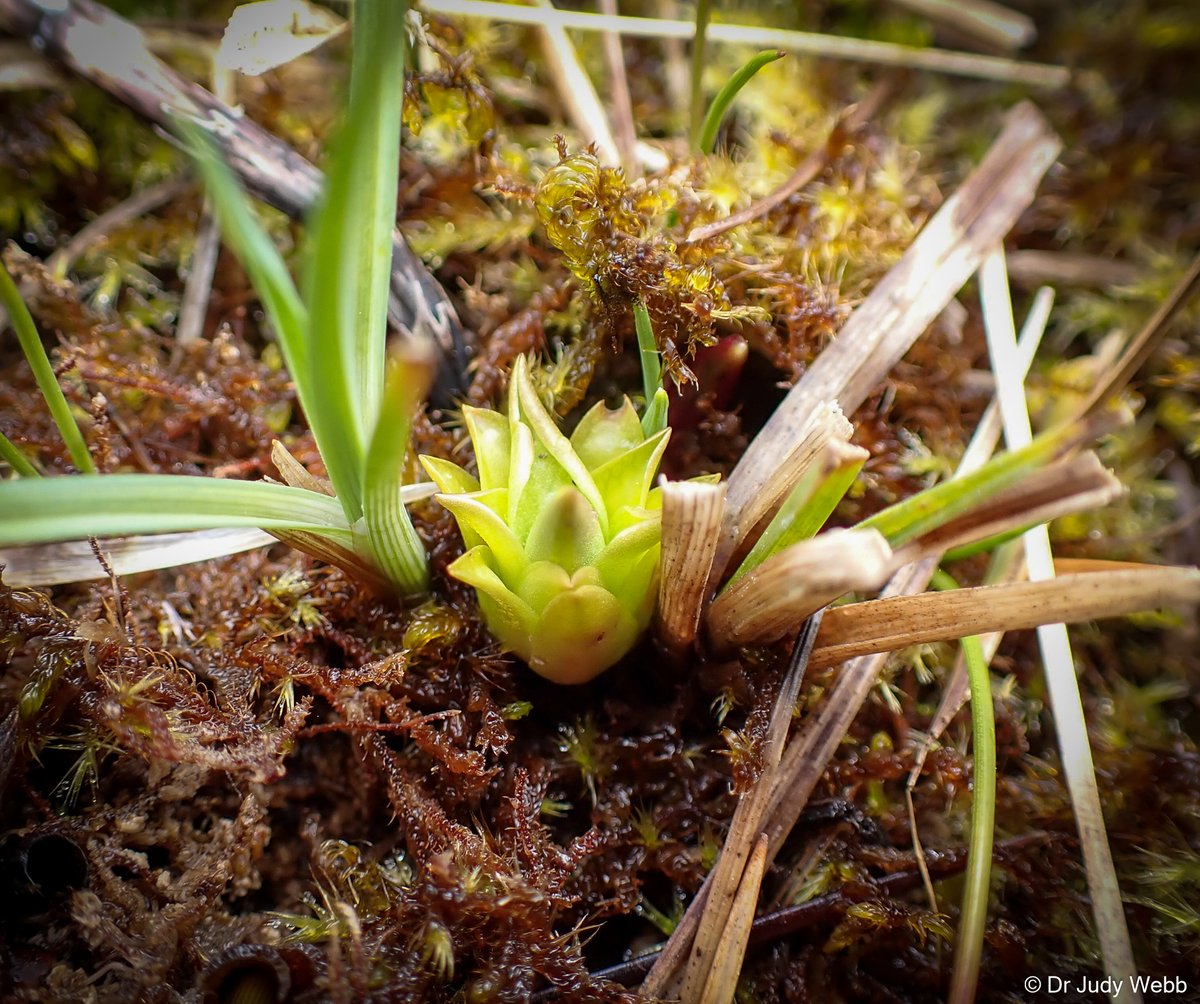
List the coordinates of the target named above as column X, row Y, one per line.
column 654, row 418
column 926, row 511
column 720, row 104
column 120, row 505
column 16, row 459
column 968, row 942
column 347, row 275
column 43, row 373
column 810, row 503
column 259, row 257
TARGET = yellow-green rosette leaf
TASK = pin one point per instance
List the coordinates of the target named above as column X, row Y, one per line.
column 564, row 533
column 489, row 432
column 625, row 480
column 604, row 433
column 473, row 513
column 450, row 478
column 581, row 633
column 508, row 617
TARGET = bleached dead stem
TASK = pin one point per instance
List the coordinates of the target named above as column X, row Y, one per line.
column 989, row 23
column 824, row 46
column 881, row 330
column 895, row 622
column 769, row 602
column 1061, row 682
column 691, row 521
column 574, row 86
column 75, row 561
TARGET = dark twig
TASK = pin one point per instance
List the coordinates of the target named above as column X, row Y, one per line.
column 105, row 49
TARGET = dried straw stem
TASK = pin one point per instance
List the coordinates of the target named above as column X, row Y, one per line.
column 895, row 622
column 769, row 602
column 691, row 519
column 822, row 46
column 913, row 293
column 574, row 86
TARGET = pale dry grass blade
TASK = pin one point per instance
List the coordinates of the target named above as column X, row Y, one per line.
column 295, row 473
column 895, row 622
column 1031, row 267
column 1066, row 703
column 75, row 561
column 726, row 965
column 988, row 23
column 1073, row 484
column 824, row 46
column 807, row 755
column 769, row 602
column 574, row 86
column 691, row 520
column 696, row 938
column 622, row 105
column 901, row 307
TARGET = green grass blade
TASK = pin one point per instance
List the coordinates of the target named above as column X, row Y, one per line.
column 805, row 511
column 16, row 459
column 348, row 272
column 699, row 45
column 395, row 546
column 43, row 372
column 116, row 505
column 968, row 943
column 259, row 257
column 936, row 506
column 720, row 104
column 654, row 418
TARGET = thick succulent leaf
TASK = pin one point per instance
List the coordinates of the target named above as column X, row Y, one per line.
column 546, row 478
column 489, row 432
column 625, row 550
column 626, row 480
column 604, row 433
column 508, row 617
column 580, row 634
column 473, row 513
column 520, row 466
column 565, row 531
column 548, row 435
column 450, row 478
column 543, row 580
column 639, row 587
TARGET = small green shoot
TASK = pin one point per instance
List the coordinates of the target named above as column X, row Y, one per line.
column 699, row 45
column 654, row 418
column 43, row 373
column 805, row 510
column 968, row 948
column 721, row 103
column 16, row 459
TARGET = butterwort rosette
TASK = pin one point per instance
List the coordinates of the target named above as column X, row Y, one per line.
column 563, row 534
